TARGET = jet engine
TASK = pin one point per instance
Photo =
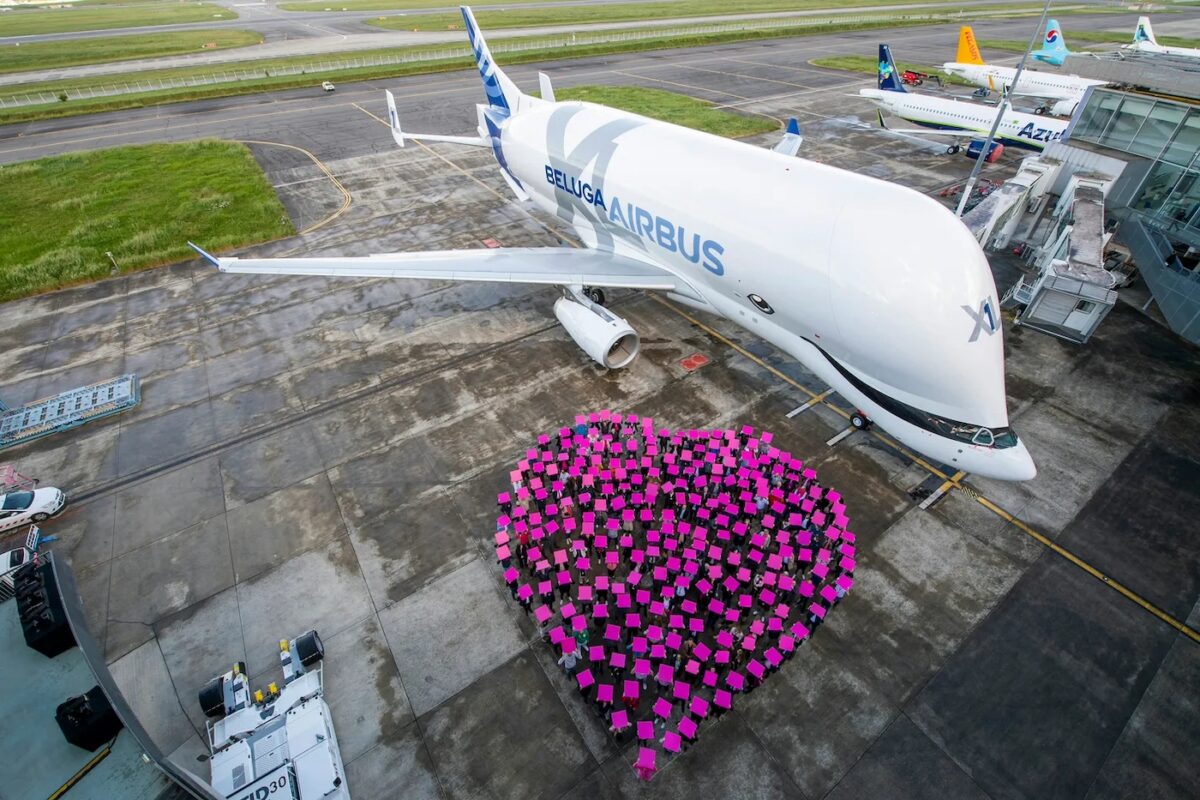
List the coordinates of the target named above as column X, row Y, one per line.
column 1064, row 108
column 604, row 336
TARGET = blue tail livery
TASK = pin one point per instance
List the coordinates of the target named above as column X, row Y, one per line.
column 501, row 92
column 889, row 77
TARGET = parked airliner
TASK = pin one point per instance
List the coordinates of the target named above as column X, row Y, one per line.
column 957, row 118
column 905, row 324
column 1144, row 41
column 1065, row 90
column 1054, row 46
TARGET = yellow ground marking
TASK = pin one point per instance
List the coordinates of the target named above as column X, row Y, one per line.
column 954, row 481
column 346, row 199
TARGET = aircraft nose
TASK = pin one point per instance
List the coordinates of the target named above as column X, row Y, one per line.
column 1007, row 464
column 1020, row 463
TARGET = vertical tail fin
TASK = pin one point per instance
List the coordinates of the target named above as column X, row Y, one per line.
column 968, row 48
column 889, row 78
column 1054, row 45
column 1054, row 40
column 501, row 92
column 1143, row 32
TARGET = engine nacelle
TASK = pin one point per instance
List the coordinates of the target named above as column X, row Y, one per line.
column 604, row 336
column 1064, row 108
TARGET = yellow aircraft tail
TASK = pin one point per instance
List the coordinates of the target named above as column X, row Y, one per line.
column 968, row 49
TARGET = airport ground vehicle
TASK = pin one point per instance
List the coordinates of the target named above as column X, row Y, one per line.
column 34, row 505
column 328, row 86
column 14, row 559
column 277, row 743
column 914, row 78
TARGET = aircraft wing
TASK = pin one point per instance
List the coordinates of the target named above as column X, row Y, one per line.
column 557, row 266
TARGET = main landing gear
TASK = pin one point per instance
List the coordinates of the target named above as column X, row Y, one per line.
column 594, row 294
column 953, row 149
column 860, row 421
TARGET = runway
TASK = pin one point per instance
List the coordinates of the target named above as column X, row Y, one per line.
column 328, row 125
column 346, row 440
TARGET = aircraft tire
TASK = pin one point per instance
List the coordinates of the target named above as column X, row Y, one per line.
column 595, row 295
column 212, row 698
column 309, row 648
column 953, row 149
column 859, row 422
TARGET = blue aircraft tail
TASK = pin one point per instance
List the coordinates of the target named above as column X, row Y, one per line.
column 501, row 92
column 1054, row 45
column 889, row 77
column 1144, row 32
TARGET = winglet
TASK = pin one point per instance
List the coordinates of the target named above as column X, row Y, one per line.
column 547, row 88
column 209, row 257
column 789, row 145
column 394, row 119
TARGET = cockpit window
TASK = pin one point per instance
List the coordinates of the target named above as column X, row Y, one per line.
column 998, row 438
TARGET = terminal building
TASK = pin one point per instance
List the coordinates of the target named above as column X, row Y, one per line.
column 1120, row 190
column 1148, row 122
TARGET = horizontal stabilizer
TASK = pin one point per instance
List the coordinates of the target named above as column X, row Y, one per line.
column 789, row 145
column 399, row 136
column 558, row 266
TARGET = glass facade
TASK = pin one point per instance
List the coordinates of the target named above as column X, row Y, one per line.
column 1164, row 131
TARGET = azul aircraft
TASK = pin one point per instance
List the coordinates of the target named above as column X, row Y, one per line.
column 906, row 326
column 957, row 118
column 1144, row 41
column 1065, row 90
column 1054, row 46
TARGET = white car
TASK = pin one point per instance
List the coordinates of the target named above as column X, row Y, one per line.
column 328, row 86
column 23, row 508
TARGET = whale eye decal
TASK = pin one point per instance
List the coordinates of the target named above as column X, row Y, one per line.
column 760, row 304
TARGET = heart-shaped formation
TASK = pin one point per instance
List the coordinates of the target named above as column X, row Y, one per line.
column 670, row 569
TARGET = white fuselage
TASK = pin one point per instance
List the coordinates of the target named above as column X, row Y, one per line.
column 1030, row 131
column 1154, row 47
column 1032, row 84
column 875, row 288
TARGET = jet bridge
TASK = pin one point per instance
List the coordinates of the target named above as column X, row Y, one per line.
column 1071, row 292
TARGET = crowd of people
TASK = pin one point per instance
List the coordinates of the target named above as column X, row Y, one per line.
column 670, row 571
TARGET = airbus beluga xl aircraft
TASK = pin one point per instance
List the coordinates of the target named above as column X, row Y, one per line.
column 876, row 288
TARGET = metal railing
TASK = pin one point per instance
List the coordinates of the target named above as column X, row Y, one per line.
column 421, row 54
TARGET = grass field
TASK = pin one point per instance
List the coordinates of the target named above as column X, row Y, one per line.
column 51, row 55
column 618, row 12
column 670, row 107
column 1099, row 40
column 709, row 5
column 385, row 5
column 60, row 215
column 28, row 21
column 871, row 66
column 76, row 105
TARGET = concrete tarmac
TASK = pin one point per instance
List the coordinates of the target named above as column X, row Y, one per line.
column 313, row 452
